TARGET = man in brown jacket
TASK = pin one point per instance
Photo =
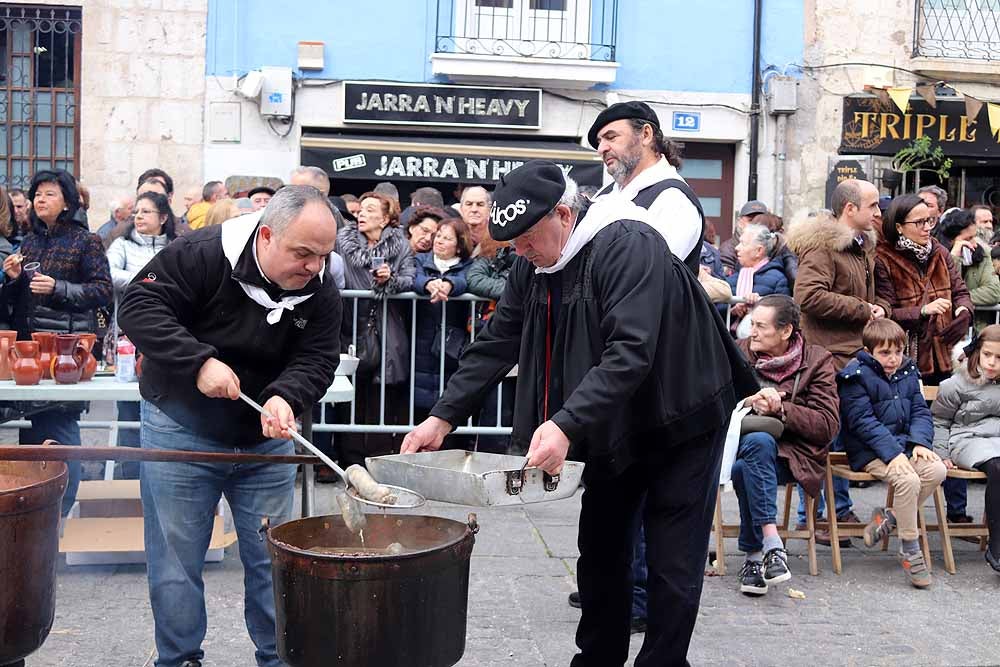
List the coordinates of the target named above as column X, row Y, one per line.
column 800, row 390
column 835, row 288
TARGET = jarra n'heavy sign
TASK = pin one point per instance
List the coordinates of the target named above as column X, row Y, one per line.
column 429, row 104
column 876, row 128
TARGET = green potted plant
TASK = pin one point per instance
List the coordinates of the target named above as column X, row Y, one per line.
column 920, row 155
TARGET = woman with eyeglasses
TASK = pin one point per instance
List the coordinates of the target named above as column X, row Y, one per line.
column 151, row 229
column 917, row 276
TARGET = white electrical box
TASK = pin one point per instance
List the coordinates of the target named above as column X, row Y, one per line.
column 252, row 83
column 783, row 93
column 311, row 55
column 276, row 92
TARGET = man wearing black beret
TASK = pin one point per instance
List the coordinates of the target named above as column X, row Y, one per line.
column 624, row 364
column 644, row 164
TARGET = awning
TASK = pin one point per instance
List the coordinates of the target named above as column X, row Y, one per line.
column 441, row 160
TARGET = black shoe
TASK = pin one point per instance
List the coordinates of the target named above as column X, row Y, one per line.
column 574, row 599
column 638, row 626
column 776, row 567
column 752, row 579
column 191, row 663
column 992, row 560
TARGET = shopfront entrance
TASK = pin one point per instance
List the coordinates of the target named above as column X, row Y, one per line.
column 357, row 162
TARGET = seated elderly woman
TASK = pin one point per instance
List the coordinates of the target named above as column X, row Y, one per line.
column 759, row 274
column 800, row 395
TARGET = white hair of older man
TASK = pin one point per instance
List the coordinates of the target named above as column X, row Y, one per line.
column 319, row 178
column 288, row 202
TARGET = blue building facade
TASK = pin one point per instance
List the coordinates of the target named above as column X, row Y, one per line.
column 690, row 60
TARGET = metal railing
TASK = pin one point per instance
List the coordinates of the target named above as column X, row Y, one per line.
column 569, row 29
column 967, row 29
column 354, row 425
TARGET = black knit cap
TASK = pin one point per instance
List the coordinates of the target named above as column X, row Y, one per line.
column 619, row 111
column 259, row 189
column 525, row 196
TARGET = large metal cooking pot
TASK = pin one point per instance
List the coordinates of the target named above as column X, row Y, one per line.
column 376, row 610
column 30, row 497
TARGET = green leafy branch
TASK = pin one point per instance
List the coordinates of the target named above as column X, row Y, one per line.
column 921, row 155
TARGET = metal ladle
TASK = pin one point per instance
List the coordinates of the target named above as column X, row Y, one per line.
column 405, row 498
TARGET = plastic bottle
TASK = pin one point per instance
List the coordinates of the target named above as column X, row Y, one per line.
column 125, row 365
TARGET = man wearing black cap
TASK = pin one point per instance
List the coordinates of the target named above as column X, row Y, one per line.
column 259, row 196
column 644, row 166
column 603, row 323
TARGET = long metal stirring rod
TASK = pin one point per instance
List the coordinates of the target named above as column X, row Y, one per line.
column 299, row 439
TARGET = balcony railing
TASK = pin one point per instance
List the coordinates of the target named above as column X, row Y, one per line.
column 565, row 29
column 966, row 29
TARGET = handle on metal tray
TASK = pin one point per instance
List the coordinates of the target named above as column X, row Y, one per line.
column 515, row 480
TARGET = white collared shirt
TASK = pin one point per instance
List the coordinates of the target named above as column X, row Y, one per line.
column 681, row 221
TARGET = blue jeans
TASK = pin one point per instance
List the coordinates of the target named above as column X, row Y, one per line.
column 841, row 494
column 128, row 411
column 956, row 494
column 756, row 474
column 63, row 427
column 640, row 570
column 178, row 501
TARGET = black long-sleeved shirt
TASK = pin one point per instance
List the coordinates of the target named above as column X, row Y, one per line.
column 185, row 307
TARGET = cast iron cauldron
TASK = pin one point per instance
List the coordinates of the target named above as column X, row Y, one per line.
column 405, row 610
column 30, row 498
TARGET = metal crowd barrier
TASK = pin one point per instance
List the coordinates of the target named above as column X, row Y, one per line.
column 354, row 425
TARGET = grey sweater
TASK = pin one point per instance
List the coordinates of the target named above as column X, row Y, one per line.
column 967, row 419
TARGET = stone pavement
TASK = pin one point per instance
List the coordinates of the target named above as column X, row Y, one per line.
column 522, row 571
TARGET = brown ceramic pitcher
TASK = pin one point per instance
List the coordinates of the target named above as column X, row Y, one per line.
column 88, row 340
column 24, row 363
column 46, row 351
column 70, row 359
column 7, row 339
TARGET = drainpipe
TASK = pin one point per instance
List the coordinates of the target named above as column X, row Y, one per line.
column 755, row 100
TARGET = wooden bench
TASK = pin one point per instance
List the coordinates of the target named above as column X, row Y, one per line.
column 949, row 529
column 837, row 465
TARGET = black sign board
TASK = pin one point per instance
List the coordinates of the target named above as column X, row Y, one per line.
column 429, row 104
column 873, row 127
column 418, row 159
column 842, row 171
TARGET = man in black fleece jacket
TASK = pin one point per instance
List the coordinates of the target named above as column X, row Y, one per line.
column 244, row 306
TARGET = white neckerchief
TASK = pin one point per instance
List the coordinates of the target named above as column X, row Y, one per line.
column 235, row 234
column 661, row 171
column 605, row 210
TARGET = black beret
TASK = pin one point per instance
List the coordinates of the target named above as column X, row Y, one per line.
column 259, row 189
column 620, row 111
column 525, row 196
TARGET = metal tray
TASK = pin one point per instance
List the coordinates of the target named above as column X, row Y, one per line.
column 475, row 478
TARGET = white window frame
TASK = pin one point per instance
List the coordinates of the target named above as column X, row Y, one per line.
column 520, row 20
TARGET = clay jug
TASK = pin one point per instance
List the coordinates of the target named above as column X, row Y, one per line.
column 7, row 339
column 24, row 363
column 70, row 358
column 46, row 351
column 87, row 341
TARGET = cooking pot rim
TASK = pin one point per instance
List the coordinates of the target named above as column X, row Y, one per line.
column 50, row 480
column 374, row 558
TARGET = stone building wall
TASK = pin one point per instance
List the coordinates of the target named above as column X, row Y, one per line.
column 873, row 31
column 142, row 95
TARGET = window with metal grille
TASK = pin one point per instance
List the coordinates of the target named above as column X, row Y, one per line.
column 39, row 91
